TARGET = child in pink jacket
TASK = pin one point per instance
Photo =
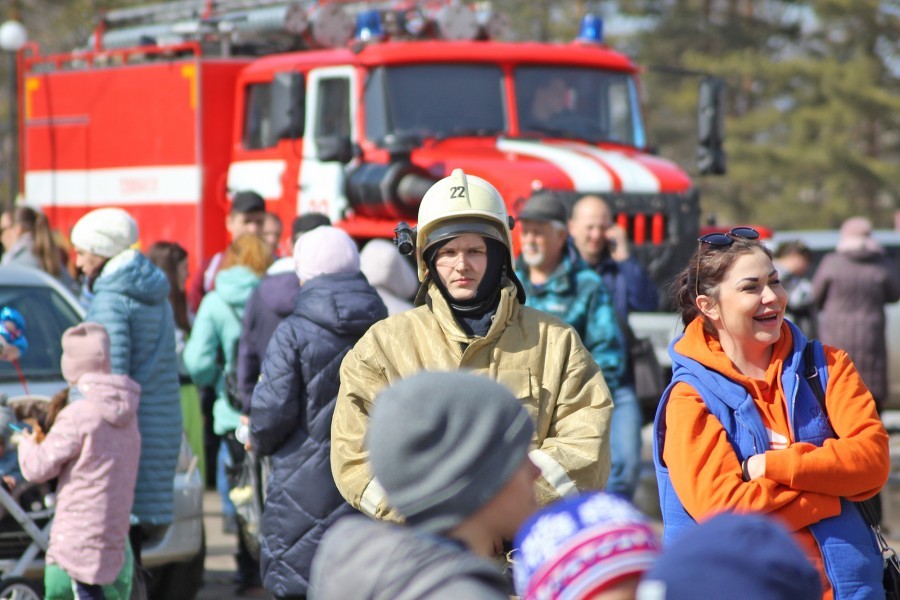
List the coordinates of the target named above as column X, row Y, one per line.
column 93, row 447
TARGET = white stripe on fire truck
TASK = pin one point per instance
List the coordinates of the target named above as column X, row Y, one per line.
column 262, row 176
column 635, row 177
column 125, row 186
column 585, row 173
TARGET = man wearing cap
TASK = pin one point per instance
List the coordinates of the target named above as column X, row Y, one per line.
column 558, row 282
column 470, row 316
column 248, row 211
column 460, row 475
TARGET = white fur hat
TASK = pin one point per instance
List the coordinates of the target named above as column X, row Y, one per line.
column 325, row 250
column 105, row 232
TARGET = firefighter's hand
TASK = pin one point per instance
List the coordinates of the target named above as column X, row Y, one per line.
column 618, row 243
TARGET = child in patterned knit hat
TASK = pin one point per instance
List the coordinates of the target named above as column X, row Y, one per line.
column 595, row 546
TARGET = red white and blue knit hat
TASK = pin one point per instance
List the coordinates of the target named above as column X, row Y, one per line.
column 578, row 547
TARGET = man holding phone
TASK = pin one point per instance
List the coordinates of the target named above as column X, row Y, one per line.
column 604, row 247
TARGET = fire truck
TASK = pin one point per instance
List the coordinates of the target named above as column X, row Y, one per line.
column 352, row 109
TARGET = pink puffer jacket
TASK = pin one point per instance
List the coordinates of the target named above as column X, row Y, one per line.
column 93, row 448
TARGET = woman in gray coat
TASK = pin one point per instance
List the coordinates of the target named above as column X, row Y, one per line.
column 850, row 288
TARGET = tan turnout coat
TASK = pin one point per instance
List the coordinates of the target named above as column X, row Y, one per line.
column 537, row 356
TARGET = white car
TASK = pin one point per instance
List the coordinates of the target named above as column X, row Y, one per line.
column 173, row 554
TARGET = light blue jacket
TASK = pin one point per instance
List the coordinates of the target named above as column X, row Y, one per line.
column 849, row 550
column 217, row 327
column 577, row 295
column 131, row 300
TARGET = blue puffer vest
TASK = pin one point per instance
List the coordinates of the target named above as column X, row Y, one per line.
column 852, row 560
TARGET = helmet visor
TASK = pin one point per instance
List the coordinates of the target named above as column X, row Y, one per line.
column 456, row 227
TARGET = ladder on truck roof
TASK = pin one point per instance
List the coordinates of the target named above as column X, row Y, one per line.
column 257, row 27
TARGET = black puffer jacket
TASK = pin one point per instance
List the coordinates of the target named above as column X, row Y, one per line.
column 290, row 419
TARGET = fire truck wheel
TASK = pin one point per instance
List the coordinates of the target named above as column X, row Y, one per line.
column 178, row 581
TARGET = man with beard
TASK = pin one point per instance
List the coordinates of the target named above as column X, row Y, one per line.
column 557, row 281
column 470, row 316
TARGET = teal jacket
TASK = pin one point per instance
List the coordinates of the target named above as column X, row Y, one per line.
column 577, row 295
column 217, row 327
column 131, row 300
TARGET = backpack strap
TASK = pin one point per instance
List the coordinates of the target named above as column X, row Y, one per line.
column 811, row 374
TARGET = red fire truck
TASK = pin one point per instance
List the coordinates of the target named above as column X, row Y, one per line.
column 350, row 109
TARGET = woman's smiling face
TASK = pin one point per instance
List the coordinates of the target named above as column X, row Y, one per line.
column 751, row 303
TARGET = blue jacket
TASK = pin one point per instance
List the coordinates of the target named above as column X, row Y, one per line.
column 290, row 420
column 577, row 295
column 268, row 306
column 852, row 559
column 131, row 300
column 215, row 333
column 629, row 285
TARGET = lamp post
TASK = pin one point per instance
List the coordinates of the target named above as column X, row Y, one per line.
column 12, row 37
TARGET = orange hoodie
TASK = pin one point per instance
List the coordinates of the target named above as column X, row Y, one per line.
column 803, row 483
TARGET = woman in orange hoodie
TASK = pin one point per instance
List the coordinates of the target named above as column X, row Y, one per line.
column 740, row 428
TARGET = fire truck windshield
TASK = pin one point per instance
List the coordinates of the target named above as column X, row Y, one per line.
column 437, row 101
column 434, row 101
column 579, row 103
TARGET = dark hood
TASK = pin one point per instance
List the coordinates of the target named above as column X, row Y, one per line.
column 279, row 293
column 344, row 303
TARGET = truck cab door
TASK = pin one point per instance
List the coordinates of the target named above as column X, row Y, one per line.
column 329, row 139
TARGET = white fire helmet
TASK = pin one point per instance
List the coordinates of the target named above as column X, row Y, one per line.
column 461, row 204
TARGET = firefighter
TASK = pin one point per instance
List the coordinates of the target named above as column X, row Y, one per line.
column 470, row 316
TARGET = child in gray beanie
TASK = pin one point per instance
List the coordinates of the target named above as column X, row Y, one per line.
column 451, row 452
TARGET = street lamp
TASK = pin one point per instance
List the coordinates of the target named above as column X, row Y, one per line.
column 12, row 37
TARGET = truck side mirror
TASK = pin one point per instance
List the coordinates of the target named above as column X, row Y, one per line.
column 289, row 98
column 711, row 126
column 334, row 148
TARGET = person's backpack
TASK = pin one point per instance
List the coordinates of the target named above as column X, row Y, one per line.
column 232, row 391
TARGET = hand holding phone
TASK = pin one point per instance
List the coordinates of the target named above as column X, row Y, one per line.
column 20, row 427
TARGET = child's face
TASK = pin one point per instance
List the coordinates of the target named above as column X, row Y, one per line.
column 11, row 327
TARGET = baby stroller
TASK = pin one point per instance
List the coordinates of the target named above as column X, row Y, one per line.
column 26, row 513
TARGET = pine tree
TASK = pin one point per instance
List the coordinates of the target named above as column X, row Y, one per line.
column 811, row 133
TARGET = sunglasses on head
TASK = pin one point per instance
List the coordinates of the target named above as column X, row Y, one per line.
column 721, row 240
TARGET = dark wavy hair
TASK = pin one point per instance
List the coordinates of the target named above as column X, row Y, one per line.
column 167, row 256
column 715, row 263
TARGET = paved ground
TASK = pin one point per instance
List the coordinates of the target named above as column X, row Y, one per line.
column 218, row 578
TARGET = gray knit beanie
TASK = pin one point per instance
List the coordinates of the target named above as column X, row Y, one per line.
column 442, row 445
